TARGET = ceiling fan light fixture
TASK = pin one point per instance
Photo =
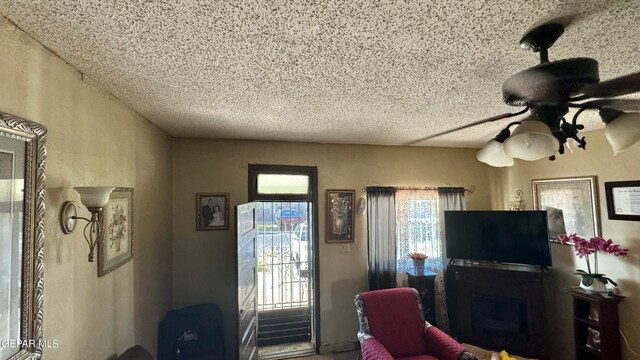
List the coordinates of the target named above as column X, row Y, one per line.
column 622, row 130
column 532, row 140
column 492, row 153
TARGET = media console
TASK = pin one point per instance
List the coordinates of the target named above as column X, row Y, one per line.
column 498, row 306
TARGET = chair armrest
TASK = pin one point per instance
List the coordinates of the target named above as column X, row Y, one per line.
column 444, row 347
column 372, row 349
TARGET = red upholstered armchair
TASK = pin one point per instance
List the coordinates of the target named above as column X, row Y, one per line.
column 392, row 326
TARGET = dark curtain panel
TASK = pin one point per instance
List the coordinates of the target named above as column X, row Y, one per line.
column 381, row 224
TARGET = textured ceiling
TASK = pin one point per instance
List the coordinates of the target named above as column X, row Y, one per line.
column 369, row 72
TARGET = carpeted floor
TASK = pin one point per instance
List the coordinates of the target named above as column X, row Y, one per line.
column 484, row 354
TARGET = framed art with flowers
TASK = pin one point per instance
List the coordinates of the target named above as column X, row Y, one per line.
column 576, row 198
column 340, row 215
column 115, row 246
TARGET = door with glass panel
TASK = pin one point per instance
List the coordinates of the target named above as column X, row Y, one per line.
column 286, row 226
column 245, row 216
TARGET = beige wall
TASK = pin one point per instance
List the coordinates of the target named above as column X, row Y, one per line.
column 596, row 160
column 203, row 260
column 93, row 139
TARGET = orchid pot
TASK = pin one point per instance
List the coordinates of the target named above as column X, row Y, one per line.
column 593, row 281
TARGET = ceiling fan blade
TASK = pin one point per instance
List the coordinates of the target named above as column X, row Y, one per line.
column 565, row 20
column 623, row 85
column 617, row 104
column 571, row 14
column 476, row 123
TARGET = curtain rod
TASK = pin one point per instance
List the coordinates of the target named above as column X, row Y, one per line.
column 470, row 190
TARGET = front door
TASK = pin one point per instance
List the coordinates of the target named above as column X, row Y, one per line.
column 286, row 200
column 247, row 277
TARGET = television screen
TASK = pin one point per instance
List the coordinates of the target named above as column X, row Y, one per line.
column 519, row 237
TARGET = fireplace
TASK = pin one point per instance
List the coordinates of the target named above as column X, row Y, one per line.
column 499, row 315
column 498, row 307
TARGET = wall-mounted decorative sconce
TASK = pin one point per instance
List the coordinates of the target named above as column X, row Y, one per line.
column 362, row 205
column 517, row 203
column 94, row 199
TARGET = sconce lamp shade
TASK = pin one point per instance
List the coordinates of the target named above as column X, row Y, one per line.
column 532, row 140
column 623, row 132
column 94, row 196
column 492, row 153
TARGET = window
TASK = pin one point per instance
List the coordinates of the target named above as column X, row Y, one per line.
column 283, row 184
column 417, row 230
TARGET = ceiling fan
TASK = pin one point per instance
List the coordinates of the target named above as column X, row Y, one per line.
column 547, row 91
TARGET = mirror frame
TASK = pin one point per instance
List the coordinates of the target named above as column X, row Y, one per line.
column 31, row 318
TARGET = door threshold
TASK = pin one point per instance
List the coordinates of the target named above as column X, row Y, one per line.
column 286, row 351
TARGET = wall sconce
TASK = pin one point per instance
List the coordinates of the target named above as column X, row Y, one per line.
column 362, row 205
column 94, row 199
column 517, row 203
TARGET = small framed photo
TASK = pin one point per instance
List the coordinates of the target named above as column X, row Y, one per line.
column 594, row 312
column 555, row 221
column 115, row 246
column 623, row 200
column 340, row 216
column 593, row 339
column 212, row 211
column 574, row 201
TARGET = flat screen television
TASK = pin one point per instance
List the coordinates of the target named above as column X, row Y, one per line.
column 518, row 237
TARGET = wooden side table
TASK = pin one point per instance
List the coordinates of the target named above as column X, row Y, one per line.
column 595, row 325
column 424, row 282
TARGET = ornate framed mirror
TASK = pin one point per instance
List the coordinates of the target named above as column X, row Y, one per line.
column 22, row 179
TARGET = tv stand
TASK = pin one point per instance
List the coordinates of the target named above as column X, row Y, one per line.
column 497, row 265
column 498, row 306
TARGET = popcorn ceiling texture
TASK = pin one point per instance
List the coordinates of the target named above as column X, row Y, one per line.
column 370, row 72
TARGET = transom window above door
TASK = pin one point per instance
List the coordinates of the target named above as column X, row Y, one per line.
column 282, row 183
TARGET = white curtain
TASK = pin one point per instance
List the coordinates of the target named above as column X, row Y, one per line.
column 381, row 225
column 417, row 229
column 449, row 198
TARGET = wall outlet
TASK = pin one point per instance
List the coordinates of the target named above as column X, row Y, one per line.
column 345, row 247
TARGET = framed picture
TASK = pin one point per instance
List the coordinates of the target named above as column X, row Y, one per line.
column 212, row 211
column 623, row 200
column 340, row 215
column 115, row 246
column 555, row 221
column 593, row 339
column 574, row 199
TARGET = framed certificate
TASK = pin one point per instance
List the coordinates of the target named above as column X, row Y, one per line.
column 623, row 200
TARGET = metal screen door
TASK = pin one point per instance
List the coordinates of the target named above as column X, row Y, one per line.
column 285, row 271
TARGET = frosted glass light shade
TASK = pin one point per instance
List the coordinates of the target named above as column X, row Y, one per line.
column 532, row 140
column 623, row 132
column 492, row 153
column 94, row 196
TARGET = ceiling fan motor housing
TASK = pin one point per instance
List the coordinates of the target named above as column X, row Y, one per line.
column 550, row 83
